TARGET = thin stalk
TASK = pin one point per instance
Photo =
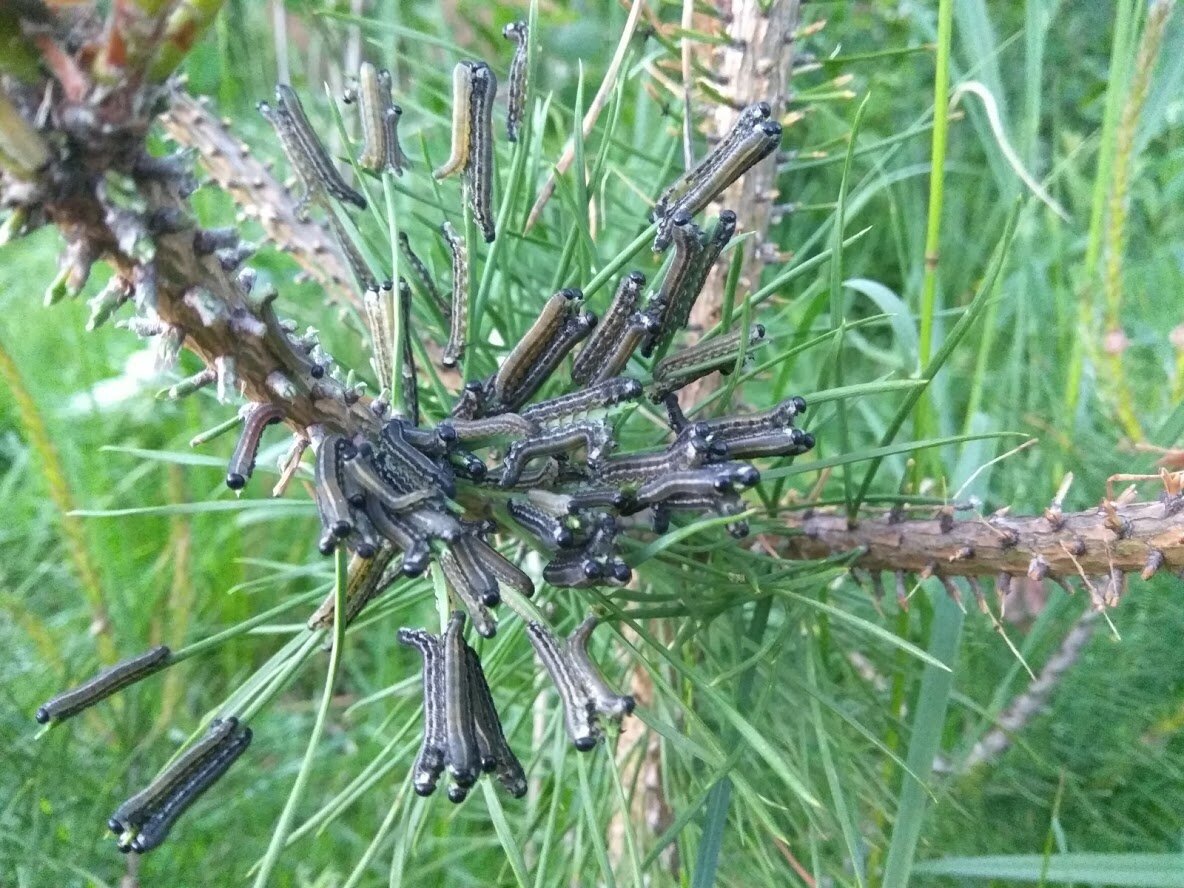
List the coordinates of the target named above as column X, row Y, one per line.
column 1124, row 19
column 1125, row 155
column 937, row 160
column 397, row 331
column 59, row 492
column 280, row 835
column 837, row 319
column 200, row 647
column 719, row 796
column 932, row 702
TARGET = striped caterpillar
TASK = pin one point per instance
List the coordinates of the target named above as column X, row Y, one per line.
column 585, row 696
column 462, row 732
column 518, row 32
column 148, row 816
column 380, row 121
column 108, row 682
column 305, row 151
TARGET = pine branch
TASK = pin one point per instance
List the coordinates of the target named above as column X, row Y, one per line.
column 258, row 193
column 183, row 282
column 1101, row 546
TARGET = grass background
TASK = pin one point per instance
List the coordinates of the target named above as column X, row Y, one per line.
column 783, row 755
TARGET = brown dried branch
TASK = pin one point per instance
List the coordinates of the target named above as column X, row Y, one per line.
column 755, row 64
column 268, row 367
column 259, row 194
column 184, row 282
column 1031, row 702
column 1109, row 542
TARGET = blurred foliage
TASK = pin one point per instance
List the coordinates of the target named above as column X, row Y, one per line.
column 1100, row 772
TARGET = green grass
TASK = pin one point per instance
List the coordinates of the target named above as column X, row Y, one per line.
column 795, row 721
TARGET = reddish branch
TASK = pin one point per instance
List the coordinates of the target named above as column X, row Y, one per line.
column 258, row 193
column 1102, row 545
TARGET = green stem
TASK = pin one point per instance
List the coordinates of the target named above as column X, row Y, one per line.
column 397, row 332
column 284, row 826
column 618, row 262
column 937, row 160
column 932, row 702
column 1124, row 19
column 837, row 318
column 200, row 647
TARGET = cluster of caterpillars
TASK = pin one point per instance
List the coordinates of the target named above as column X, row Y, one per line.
column 570, row 489
column 557, row 458
column 400, row 492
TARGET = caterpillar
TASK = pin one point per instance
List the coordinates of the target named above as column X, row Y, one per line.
column 459, row 316
column 776, row 442
column 749, row 118
column 530, row 378
column 422, row 275
column 462, row 89
column 556, row 311
column 779, row 416
column 480, row 580
column 463, row 759
column 575, row 698
column 494, row 752
column 500, row 425
column 479, row 171
column 461, row 585
column 407, row 371
column 396, row 160
column 690, row 450
column 594, row 436
column 586, row 367
column 105, row 684
column 305, row 151
column 688, row 244
column 748, row 150
column 683, row 300
column 519, row 32
column 641, row 327
column 604, row 699
column 704, row 481
column 429, row 763
column 598, row 396
column 135, row 812
column 676, row 371
column 414, row 545
column 504, row 570
column 205, row 775
column 546, row 527
column 380, row 121
column 330, row 490
column 411, row 469
column 242, row 460
column 722, row 504
column 358, row 265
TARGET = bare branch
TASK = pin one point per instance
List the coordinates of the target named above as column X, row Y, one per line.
column 1125, row 538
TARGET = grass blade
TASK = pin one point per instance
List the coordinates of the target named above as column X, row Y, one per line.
column 284, row 825
column 928, row 722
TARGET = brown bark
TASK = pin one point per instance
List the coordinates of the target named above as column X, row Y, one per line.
column 754, row 65
column 183, row 290
column 1108, row 542
column 264, row 358
column 259, row 194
